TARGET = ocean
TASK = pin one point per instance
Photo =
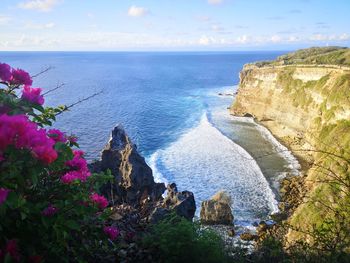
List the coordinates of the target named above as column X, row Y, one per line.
column 169, row 104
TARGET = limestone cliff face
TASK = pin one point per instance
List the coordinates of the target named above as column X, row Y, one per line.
column 308, row 108
column 294, row 101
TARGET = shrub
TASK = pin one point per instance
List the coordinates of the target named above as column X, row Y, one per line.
column 50, row 209
column 176, row 239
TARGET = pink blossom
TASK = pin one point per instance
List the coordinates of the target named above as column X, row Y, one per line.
column 100, row 200
column 57, row 135
column 69, row 177
column 19, row 131
column 35, row 259
column 77, row 163
column 111, row 231
column 32, row 95
column 3, row 194
column 78, row 153
column 5, row 72
column 72, row 139
column 79, row 168
column 12, row 250
column 49, row 211
column 20, row 77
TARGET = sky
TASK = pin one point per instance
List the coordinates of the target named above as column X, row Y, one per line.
column 172, row 25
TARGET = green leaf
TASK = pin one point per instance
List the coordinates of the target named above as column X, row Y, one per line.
column 72, row 224
column 23, row 215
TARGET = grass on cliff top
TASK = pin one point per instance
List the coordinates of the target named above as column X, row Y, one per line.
column 313, row 56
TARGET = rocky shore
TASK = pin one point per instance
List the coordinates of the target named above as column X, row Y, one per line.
column 305, row 107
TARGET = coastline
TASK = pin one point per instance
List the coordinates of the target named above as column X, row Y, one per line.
column 304, row 166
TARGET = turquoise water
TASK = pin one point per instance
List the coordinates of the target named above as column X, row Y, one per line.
column 169, row 105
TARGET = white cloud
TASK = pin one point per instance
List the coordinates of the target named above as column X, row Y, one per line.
column 137, row 11
column 90, row 15
column 243, row 39
column 217, row 28
column 293, row 39
column 39, row 5
column 276, row 38
column 344, row 37
column 204, row 41
column 4, row 19
column 324, row 37
column 319, row 37
column 215, row 2
column 39, row 26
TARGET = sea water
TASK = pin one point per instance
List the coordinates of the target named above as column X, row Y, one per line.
column 170, row 107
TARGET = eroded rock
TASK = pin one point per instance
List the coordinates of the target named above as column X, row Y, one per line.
column 247, row 236
column 134, row 183
column 182, row 202
column 217, row 210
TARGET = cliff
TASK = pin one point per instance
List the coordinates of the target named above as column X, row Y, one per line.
column 306, row 106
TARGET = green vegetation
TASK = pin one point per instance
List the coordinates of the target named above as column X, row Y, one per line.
column 296, row 88
column 313, row 56
column 325, row 218
column 340, row 91
column 175, row 239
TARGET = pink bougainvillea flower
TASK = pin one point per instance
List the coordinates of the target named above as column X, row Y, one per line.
column 35, row 259
column 79, row 168
column 69, row 177
column 20, row 77
column 32, row 95
column 3, row 194
column 100, row 200
column 19, row 131
column 111, row 232
column 49, row 211
column 5, row 72
column 57, row 135
column 12, row 250
column 72, row 139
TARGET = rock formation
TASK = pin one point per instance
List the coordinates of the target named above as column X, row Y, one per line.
column 217, row 210
column 182, row 203
column 134, row 182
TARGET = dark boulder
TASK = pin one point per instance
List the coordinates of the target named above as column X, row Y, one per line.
column 182, row 203
column 158, row 214
column 134, row 182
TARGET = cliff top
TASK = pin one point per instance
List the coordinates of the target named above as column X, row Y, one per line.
column 339, row 56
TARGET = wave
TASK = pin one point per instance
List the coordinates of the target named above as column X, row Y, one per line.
column 205, row 161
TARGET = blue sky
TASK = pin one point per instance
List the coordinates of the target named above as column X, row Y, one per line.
column 218, row 25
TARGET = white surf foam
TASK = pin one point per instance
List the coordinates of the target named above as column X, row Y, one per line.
column 205, row 161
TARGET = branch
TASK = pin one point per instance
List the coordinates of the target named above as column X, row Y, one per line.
column 56, row 88
column 4, row 83
column 79, row 101
column 42, row 72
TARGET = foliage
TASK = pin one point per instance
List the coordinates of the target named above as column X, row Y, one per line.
column 50, row 209
column 176, row 239
column 312, row 56
column 325, row 218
